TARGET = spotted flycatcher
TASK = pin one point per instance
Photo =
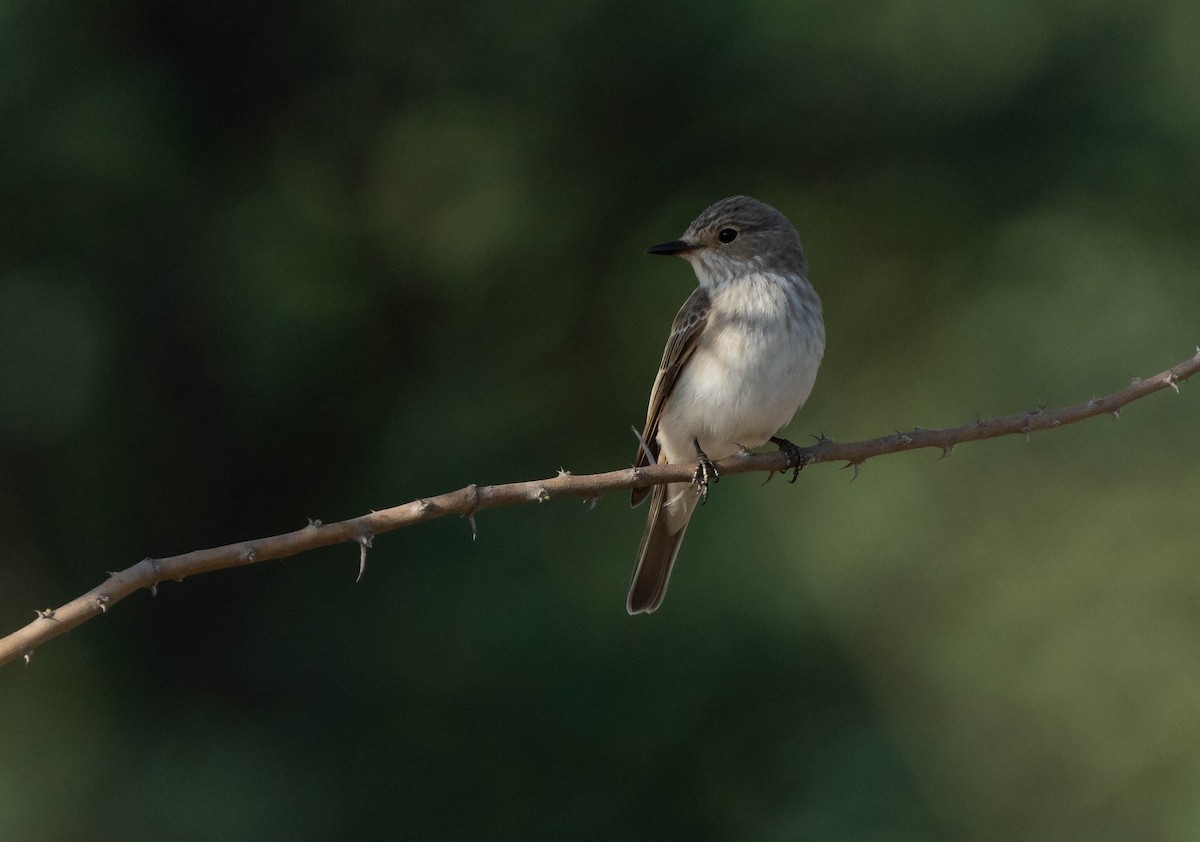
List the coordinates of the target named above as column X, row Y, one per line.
column 741, row 359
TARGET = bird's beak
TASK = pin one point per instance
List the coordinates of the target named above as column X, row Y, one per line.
column 674, row 247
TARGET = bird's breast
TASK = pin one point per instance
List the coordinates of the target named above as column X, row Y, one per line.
column 753, row 367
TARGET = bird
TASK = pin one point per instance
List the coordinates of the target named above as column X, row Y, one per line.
column 741, row 359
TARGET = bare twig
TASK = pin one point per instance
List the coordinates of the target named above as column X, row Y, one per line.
column 465, row 502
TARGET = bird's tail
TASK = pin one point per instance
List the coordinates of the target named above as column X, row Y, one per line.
column 671, row 508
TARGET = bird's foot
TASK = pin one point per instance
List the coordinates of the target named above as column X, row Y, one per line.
column 798, row 458
column 706, row 472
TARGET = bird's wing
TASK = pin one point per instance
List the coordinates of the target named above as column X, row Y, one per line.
column 685, row 336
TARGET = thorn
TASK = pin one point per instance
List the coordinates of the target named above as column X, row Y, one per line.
column 768, row 479
column 1134, row 380
column 918, row 429
column 947, row 449
column 591, row 502
column 855, row 465
column 474, row 530
column 473, row 497
column 28, row 656
column 903, row 438
column 102, row 602
column 1095, row 401
column 314, row 523
column 543, row 495
column 48, row 614
column 562, row 473
column 1116, row 414
column 154, row 565
column 645, row 448
column 364, row 541
column 110, row 573
column 249, row 555
column 635, row 474
column 425, row 505
column 1055, row 423
column 1172, row 381
column 822, row 438
column 1038, row 411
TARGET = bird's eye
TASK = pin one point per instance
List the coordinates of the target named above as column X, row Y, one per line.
column 727, row 235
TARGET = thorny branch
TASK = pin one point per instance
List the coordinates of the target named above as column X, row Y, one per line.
column 465, row 502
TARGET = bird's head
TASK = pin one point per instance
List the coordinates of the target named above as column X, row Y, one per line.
column 735, row 237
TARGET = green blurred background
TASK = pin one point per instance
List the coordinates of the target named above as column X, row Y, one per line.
column 272, row 261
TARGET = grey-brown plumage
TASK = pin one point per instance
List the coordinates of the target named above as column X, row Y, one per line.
column 740, row 360
column 689, row 321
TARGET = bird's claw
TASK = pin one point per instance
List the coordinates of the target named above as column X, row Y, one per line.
column 798, row 458
column 706, row 472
